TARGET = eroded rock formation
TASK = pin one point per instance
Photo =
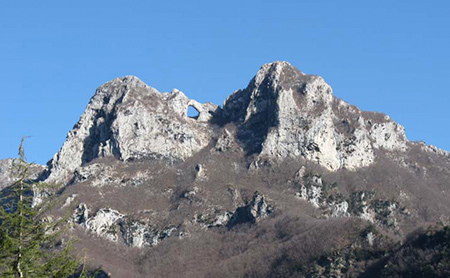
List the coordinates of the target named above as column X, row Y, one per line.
column 286, row 113
column 284, row 177
column 283, row 113
column 130, row 120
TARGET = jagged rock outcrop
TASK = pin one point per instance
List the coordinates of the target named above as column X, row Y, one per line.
column 138, row 234
column 283, row 177
column 286, row 113
column 321, row 194
column 226, row 142
column 99, row 175
column 130, row 120
column 115, row 226
column 254, row 210
column 258, row 208
column 283, row 113
column 334, row 203
column 434, row 150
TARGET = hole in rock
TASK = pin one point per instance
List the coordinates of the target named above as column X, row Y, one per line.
column 192, row 112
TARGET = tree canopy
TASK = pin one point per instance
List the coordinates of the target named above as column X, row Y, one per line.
column 31, row 245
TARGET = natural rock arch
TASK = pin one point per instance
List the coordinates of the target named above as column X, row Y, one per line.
column 192, row 112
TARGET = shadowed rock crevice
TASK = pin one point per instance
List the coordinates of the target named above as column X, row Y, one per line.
column 254, row 110
column 257, row 209
column 130, row 121
column 100, row 142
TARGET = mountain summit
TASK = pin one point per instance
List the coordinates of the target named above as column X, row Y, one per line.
column 128, row 119
column 282, row 113
column 285, row 113
column 283, row 180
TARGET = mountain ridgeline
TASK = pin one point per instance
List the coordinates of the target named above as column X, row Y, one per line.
column 283, row 180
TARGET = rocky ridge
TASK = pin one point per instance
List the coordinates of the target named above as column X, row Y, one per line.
column 282, row 113
column 281, row 163
column 285, row 113
column 128, row 120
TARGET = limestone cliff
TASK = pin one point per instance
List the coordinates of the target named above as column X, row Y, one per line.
column 285, row 180
column 129, row 120
column 286, row 113
column 282, row 113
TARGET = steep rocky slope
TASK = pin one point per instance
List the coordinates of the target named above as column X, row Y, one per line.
column 283, row 180
column 129, row 120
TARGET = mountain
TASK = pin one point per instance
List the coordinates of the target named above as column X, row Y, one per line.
column 283, row 180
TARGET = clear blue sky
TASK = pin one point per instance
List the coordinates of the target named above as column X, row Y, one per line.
column 387, row 56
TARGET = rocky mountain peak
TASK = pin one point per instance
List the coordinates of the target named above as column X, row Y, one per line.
column 286, row 113
column 284, row 165
column 274, row 78
column 113, row 92
column 282, row 113
column 129, row 80
column 130, row 120
column 278, row 71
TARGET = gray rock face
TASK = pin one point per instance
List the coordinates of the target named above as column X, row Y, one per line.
column 138, row 234
column 9, row 171
column 284, row 168
column 117, row 227
column 258, row 208
column 129, row 120
column 362, row 204
column 100, row 175
column 253, row 211
column 285, row 113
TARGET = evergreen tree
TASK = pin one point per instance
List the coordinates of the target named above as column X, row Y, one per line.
column 30, row 246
